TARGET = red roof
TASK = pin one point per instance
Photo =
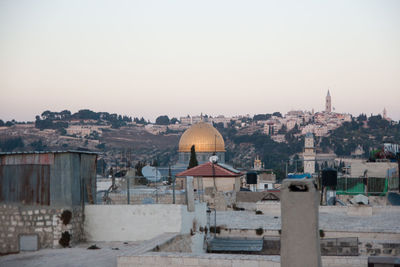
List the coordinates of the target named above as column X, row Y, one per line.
column 206, row 170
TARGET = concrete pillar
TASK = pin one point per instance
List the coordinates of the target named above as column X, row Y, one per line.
column 300, row 243
column 189, row 193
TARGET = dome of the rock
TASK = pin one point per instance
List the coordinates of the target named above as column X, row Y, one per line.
column 204, row 137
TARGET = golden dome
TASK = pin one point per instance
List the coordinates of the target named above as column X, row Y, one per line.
column 205, row 138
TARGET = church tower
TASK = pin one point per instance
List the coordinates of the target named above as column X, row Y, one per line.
column 257, row 164
column 309, row 154
column 328, row 103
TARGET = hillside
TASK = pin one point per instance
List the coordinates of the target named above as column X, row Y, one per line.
column 122, row 141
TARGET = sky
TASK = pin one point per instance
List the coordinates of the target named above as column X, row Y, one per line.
column 226, row 57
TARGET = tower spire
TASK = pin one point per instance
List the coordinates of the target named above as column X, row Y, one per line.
column 328, row 103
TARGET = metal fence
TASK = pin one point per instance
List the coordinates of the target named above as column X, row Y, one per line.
column 137, row 191
column 345, row 246
column 355, row 186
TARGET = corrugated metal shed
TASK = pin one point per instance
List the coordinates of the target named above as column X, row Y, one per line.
column 48, row 177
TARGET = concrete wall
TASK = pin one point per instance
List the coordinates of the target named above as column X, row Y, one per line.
column 140, row 222
column 375, row 169
column 39, row 220
column 274, row 209
column 223, row 184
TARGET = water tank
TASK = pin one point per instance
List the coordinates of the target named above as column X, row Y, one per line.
column 329, row 177
column 251, row 178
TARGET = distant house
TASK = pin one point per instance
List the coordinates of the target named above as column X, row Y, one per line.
column 220, row 176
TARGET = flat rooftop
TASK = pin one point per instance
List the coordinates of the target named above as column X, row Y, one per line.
column 77, row 256
column 384, row 222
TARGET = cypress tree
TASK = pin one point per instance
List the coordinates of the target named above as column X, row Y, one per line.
column 193, row 159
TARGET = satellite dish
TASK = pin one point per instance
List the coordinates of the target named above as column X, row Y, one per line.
column 151, row 173
column 214, row 159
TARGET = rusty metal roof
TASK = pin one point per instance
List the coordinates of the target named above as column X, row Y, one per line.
column 47, row 152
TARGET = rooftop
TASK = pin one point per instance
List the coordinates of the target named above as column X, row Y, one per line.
column 209, row 169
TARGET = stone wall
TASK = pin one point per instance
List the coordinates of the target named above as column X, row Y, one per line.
column 217, row 260
column 45, row 222
column 380, row 248
column 181, row 243
column 274, row 208
column 138, row 199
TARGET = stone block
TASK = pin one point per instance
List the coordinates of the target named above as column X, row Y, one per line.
column 20, row 223
column 222, row 262
column 204, row 262
column 149, row 260
column 48, row 223
column 47, row 217
column 43, row 211
column 190, row 262
column 39, row 223
column 40, row 218
column 14, row 223
column 36, row 212
column 11, row 229
column 175, row 261
column 39, row 229
column 30, row 212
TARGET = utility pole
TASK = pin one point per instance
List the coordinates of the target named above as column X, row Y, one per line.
column 398, row 168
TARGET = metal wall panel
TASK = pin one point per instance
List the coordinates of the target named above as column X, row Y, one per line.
column 23, row 159
column 28, row 184
column 88, row 176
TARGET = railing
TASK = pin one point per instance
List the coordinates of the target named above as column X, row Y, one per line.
column 355, row 186
column 137, row 191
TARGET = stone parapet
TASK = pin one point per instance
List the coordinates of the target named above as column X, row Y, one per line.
column 45, row 222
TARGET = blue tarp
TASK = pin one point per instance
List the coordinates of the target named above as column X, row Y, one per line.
column 298, row 175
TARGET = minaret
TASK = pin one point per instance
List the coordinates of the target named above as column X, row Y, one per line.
column 309, row 154
column 328, row 103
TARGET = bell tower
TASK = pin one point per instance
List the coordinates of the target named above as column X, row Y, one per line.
column 328, row 103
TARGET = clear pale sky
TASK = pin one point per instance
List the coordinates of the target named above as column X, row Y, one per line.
column 150, row 58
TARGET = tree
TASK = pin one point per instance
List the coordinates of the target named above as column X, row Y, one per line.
column 1, row 123
column 193, row 159
column 283, row 130
column 9, row 145
column 261, row 117
column 162, row 120
column 138, row 167
column 173, row 120
column 38, row 145
column 277, row 114
column 362, row 117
